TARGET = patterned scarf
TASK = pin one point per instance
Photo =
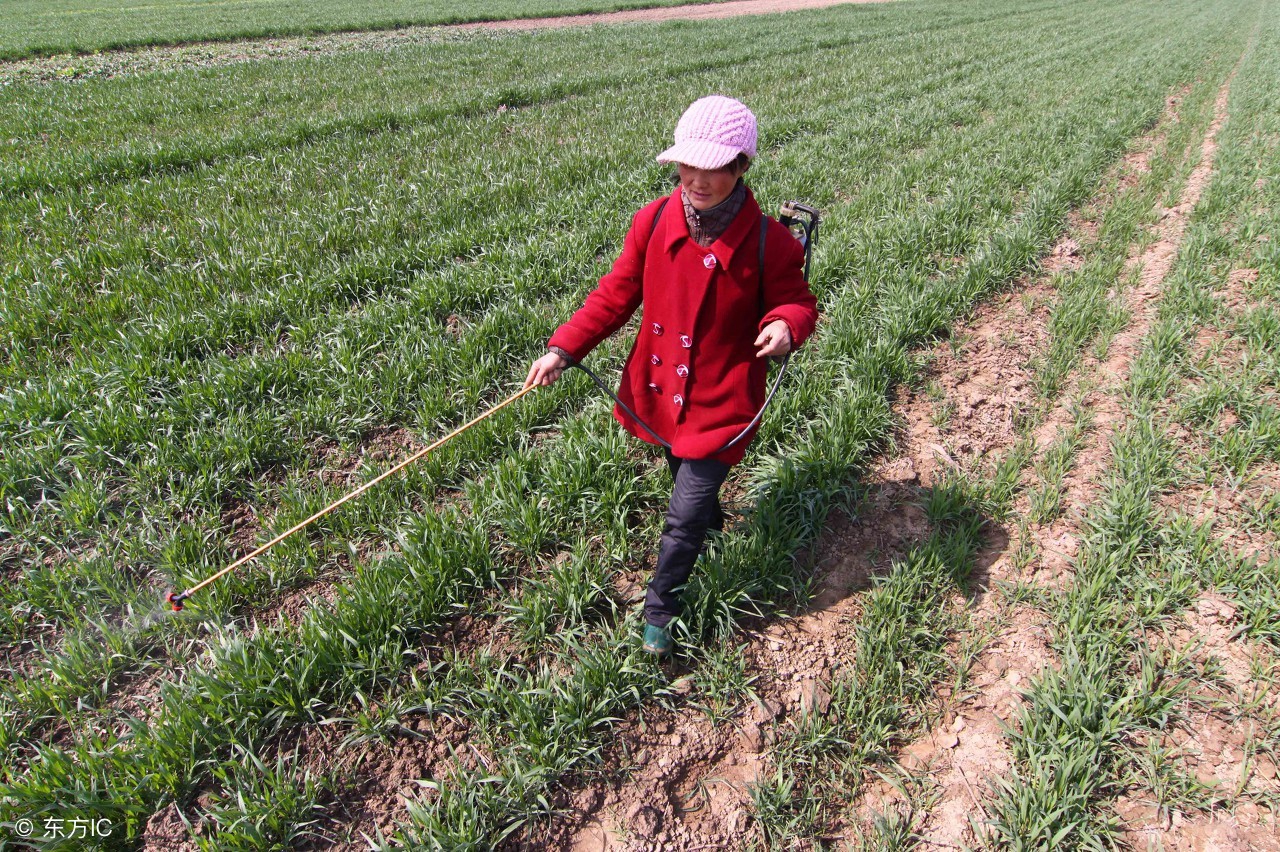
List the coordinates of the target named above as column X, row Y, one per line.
column 706, row 226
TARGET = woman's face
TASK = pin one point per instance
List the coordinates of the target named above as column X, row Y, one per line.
column 708, row 187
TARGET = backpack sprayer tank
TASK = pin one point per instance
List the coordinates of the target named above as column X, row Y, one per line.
column 802, row 221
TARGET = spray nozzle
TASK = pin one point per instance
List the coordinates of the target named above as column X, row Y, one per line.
column 175, row 599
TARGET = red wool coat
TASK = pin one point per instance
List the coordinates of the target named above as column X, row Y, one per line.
column 693, row 374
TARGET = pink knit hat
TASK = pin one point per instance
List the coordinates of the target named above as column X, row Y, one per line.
column 712, row 133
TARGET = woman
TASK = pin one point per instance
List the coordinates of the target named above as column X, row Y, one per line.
column 712, row 316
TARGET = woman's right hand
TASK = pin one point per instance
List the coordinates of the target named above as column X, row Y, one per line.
column 546, row 370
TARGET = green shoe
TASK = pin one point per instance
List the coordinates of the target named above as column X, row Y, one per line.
column 657, row 640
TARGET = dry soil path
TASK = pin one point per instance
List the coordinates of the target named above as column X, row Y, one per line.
column 699, row 12
column 966, row 751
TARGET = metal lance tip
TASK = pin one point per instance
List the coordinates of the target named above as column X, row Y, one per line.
column 175, row 599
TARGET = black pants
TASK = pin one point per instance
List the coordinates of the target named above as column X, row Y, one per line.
column 695, row 508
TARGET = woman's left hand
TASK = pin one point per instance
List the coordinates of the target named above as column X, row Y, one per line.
column 775, row 339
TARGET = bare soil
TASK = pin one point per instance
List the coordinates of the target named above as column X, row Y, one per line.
column 1220, row 744
column 243, row 527
column 982, row 382
column 966, row 778
column 386, row 775
column 167, row 831
column 694, row 12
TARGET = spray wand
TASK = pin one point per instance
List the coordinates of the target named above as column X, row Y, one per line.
column 176, row 599
column 800, row 219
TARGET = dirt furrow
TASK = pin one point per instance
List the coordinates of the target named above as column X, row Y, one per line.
column 1220, row 744
column 1057, row 542
column 966, row 750
column 1154, row 262
column 983, row 384
column 1221, row 749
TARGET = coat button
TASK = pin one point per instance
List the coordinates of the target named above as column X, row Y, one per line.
column 678, row 400
column 657, row 329
column 709, row 261
column 682, row 371
column 655, row 360
column 686, row 341
column 654, row 388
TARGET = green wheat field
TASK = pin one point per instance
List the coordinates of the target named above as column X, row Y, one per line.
column 235, row 290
